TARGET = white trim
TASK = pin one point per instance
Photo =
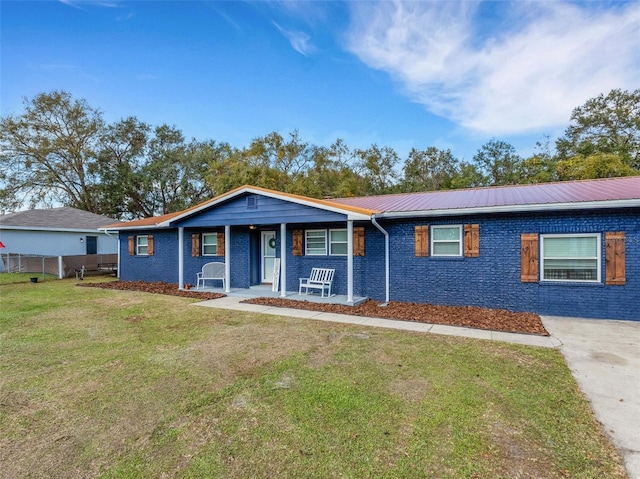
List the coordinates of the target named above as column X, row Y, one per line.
column 329, row 242
column 435, row 241
column 283, row 260
column 598, row 257
column 202, row 245
column 180, row 258
column 584, row 205
column 326, row 245
column 227, row 258
column 349, row 261
column 138, row 245
column 265, row 278
column 62, row 230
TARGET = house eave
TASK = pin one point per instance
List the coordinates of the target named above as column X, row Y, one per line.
column 57, row 230
column 584, row 205
column 324, row 205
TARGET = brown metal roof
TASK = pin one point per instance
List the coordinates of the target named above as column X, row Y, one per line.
column 544, row 194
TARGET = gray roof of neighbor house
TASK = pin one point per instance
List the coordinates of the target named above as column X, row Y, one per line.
column 65, row 218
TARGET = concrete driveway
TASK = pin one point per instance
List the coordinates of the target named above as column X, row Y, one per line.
column 604, row 357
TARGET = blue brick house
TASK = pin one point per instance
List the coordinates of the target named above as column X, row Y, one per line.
column 565, row 249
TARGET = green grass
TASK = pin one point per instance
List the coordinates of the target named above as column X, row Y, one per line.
column 11, row 278
column 111, row 384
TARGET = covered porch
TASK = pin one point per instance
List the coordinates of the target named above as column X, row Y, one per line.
column 265, row 291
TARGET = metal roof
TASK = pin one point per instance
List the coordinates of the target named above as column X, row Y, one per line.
column 66, row 218
column 600, row 193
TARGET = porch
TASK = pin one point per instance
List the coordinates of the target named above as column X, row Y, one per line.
column 264, row 291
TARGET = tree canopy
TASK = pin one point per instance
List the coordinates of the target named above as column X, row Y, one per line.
column 60, row 150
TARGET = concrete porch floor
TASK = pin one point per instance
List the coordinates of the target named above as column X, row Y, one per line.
column 264, row 291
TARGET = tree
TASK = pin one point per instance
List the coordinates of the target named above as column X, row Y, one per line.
column 376, row 166
column 541, row 167
column 49, row 153
column 428, row 170
column 468, row 177
column 598, row 165
column 121, row 158
column 605, row 125
column 499, row 163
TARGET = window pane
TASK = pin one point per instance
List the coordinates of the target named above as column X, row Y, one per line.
column 446, row 233
column 446, row 248
column 210, row 244
column 339, row 235
column 571, row 247
column 578, row 269
column 339, row 248
column 316, row 242
column 143, row 240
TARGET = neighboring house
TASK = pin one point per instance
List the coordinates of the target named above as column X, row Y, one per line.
column 56, row 232
column 566, row 249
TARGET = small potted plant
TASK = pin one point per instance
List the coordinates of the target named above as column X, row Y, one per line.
column 187, row 286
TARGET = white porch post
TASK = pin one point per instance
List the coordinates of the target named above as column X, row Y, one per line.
column 350, row 261
column 60, row 271
column 227, row 258
column 180, row 257
column 283, row 260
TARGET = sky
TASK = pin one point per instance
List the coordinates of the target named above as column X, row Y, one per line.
column 448, row 74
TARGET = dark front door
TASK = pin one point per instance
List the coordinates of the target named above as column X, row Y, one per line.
column 254, row 261
column 92, row 244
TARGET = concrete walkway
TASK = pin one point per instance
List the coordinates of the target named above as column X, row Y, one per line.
column 235, row 303
column 603, row 355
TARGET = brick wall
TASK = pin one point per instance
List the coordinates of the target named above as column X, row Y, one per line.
column 492, row 280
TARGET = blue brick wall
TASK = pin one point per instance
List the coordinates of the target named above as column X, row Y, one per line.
column 162, row 266
column 493, row 279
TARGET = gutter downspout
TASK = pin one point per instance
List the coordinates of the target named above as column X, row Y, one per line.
column 386, row 259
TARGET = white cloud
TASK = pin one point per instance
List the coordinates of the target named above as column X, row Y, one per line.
column 300, row 41
column 546, row 59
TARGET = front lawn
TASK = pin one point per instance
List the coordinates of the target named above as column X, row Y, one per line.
column 120, row 384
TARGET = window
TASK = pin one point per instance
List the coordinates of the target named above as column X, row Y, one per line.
column 338, row 242
column 316, row 242
column 571, row 257
column 142, row 245
column 209, row 244
column 446, row 240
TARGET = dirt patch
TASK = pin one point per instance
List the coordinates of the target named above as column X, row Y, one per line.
column 157, row 287
column 467, row 316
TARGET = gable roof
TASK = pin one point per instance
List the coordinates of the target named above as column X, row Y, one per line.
column 65, row 218
column 583, row 194
column 352, row 212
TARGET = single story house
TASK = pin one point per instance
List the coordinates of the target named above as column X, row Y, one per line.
column 565, row 249
column 56, row 232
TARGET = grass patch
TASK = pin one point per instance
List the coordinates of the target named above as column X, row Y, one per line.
column 12, row 278
column 113, row 384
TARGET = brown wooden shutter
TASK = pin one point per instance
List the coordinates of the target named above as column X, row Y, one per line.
column 132, row 245
column 615, row 258
column 220, row 244
column 472, row 241
column 150, row 245
column 297, row 243
column 358, row 241
column 195, row 244
column 529, row 257
column 422, row 240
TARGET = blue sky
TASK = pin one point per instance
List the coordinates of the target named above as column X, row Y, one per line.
column 401, row 74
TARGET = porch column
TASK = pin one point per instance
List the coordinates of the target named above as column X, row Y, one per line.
column 283, row 260
column 180, row 257
column 227, row 258
column 350, row 261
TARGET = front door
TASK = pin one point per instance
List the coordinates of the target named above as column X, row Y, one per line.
column 268, row 255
